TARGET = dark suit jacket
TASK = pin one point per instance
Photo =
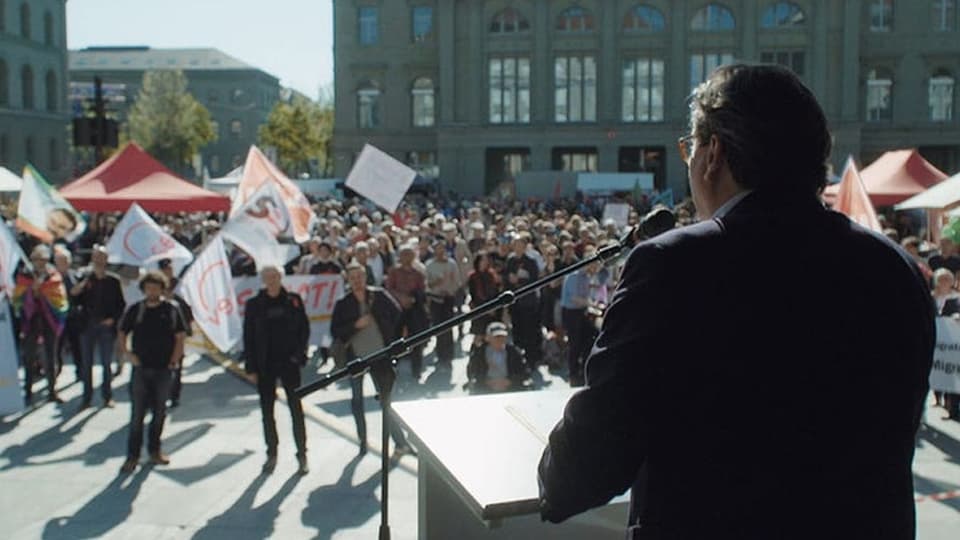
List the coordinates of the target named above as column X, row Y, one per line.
column 295, row 341
column 734, row 418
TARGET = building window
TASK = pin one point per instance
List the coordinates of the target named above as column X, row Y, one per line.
column 25, row 20
column 782, row 15
column 575, row 89
column 643, row 90
column 369, row 25
column 368, row 106
column 26, row 86
column 504, row 165
column 52, row 91
column 881, row 15
column 4, row 83
column 54, row 155
column 236, row 129
column 422, row 23
column 509, row 90
column 713, row 18
column 702, row 65
column 423, row 102
column 48, row 28
column 643, row 18
column 575, row 159
column 941, row 97
column 879, row 96
column 944, row 15
column 795, row 60
column 3, row 15
column 509, row 21
column 215, row 127
column 425, row 163
column 575, row 19
column 28, row 150
column 4, row 145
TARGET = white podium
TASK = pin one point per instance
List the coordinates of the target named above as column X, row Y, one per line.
column 478, row 468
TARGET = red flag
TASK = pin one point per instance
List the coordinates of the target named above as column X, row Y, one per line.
column 853, row 200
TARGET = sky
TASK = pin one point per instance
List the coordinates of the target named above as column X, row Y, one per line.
column 290, row 39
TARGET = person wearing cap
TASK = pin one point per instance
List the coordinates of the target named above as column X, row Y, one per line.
column 496, row 366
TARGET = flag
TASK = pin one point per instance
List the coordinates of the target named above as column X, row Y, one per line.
column 139, row 241
column 853, row 200
column 207, row 287
column 44, row 213
column 258, row 226
column 10, row 255
column 10, row 399
column 665, row 198
column 257, row 171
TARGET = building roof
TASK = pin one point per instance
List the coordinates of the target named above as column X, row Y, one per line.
column 147, row 58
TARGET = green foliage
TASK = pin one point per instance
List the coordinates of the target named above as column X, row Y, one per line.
column 167, row 121
column 300, row 131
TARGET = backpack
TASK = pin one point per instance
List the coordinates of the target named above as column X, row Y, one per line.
column 174, row 314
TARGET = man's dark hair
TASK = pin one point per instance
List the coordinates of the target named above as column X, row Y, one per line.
column 153, row 276
column 773, row 131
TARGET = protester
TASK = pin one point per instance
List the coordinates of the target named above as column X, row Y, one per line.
column 276, row 334
column 73, row 326
column 575, row 299
column 495, row 365
column 186, row 313
column 520, row 270
column 408, row 285
column 157, row 332
column 483, row 284
column 443, row 286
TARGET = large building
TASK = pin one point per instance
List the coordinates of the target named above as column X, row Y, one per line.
column 33, row 86
column 476, row 91
column 238, row 95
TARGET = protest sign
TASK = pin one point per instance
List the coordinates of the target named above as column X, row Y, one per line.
column 945, row 374
column 618, row 212
column 380, row 178
column 44, row 213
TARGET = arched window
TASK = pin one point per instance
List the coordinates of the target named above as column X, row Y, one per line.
column 54, row 155
column 368, row 105
column 509, row 21
column 28, row 150
column 25, row 20
column 941, row 96
column 782, row 15
column 52, row 90
column 48, row 28
column 422, row 95
column 26, row 86
column 575, row 19
column 643, row 18
column 4, row 84
column 879, row 102
column 713, row 18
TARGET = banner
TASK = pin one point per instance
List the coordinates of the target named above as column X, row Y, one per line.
column 259, row 224
column 381, row 178
column 11, row 399
column 945, row 374
column 139, row 241
column 853, row 201
column 619, row 213
column 257, row 171
column 208, row 287
column 10, row 255
column 44, row 213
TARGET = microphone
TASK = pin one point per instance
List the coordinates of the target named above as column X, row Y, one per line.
column 656, row 222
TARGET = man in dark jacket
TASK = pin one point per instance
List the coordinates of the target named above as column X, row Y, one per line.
column 495, row 365
column 276, row 333
column 757, row 447
column 366, row 320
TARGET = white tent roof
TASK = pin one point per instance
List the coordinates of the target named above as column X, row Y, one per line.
column 10, row 181
column 941, row 196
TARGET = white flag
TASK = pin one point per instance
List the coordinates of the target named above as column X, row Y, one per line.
column 10, row 255
column 258, row 226
column 10, row 399
column 139, row 241
column 208, row 287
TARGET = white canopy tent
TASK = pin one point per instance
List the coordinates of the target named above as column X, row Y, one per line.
column 942, row 196
column 10, row 182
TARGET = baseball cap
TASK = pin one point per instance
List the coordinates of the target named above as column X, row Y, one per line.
column 497, row 329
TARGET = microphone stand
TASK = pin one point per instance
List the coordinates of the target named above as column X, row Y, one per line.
column 401, row 346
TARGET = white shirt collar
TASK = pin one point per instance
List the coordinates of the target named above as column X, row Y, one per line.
column 731, row 203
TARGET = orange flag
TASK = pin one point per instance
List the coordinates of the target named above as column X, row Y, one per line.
column 853, row 200
column 259, row 170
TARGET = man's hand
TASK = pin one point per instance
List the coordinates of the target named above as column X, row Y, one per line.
column 253, row 377
column 174, row 363
column 406, row 301
column 363, row 322
column 107, row 322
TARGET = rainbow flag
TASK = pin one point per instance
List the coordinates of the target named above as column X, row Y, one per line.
column 51, row 300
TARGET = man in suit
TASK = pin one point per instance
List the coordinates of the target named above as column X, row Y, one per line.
column 759, row 446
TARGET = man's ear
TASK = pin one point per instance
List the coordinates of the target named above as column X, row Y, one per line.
column 716, row 157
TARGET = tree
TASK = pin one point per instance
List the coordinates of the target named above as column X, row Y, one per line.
column 167, row 121
column 300, row 130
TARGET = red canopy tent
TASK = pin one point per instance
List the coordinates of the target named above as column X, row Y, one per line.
column 133, row 176
column 895, row 177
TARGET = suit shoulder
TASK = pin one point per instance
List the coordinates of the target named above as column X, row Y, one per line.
column 675, row 241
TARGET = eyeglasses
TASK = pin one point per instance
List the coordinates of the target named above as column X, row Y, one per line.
column 685, row 145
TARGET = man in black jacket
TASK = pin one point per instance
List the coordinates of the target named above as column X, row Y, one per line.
column 495, row 365
column 276, row 333
column 758, row 447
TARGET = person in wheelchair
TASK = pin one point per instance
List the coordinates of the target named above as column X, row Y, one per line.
column 495, row 365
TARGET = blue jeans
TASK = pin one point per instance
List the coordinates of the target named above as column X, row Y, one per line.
column 104, row 338
column 359, row 416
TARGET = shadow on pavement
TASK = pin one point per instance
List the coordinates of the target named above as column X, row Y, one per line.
column 106, row 510
column 342, row 505
column 242, row 519
column 944, row 442
column 212, row 399
column 53, row 439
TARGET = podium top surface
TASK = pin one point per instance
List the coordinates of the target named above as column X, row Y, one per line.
column 487, row 447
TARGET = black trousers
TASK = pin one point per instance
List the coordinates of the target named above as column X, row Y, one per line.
column 267, row 388
column 441, row 311
column 70, row 337
column 149, row 388
column 525, row 318
column 359, row 412
column 575, row 326
column 30, row 349
column 177, row 382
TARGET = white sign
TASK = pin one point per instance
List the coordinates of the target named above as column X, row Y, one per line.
column 208, row 288
column 11, row 400
column 10, row 255
column 945, row 374
column 380, row 178
column 618, row 212
column 139, row 241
